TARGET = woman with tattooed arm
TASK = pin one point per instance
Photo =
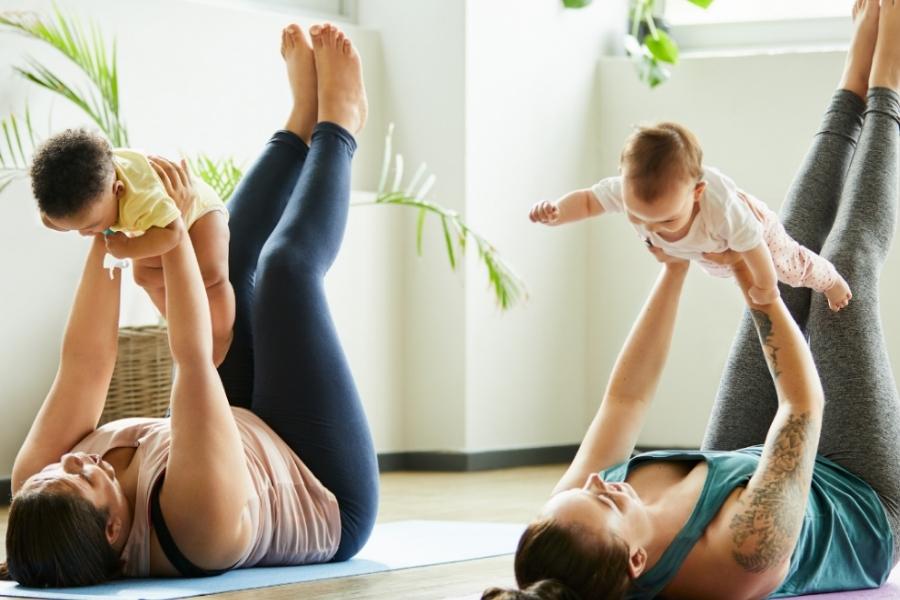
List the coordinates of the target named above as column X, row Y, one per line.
column 789, row 495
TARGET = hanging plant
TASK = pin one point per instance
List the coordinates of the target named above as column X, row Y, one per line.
column 648, row 42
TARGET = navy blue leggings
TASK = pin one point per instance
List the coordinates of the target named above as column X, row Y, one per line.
column 286, row 364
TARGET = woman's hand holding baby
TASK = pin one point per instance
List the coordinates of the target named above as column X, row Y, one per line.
column 666, row 259
column 177, row 181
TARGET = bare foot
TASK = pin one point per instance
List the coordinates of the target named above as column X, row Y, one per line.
column 859, row 56
column 886, row 64
column 342, row 94
column 297, row 50
column 839, row 294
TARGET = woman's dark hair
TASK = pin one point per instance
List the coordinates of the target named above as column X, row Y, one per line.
column 554, row 562
column 56, row 538
column 69, row 171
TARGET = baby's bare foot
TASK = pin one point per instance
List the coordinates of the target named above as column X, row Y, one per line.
column 839, row 294
column 886, row 64
column 859, row 57
column 342, row 94
column 297, row 50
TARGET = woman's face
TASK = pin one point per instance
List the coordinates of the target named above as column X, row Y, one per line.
column 604, row 509
column 94, row 479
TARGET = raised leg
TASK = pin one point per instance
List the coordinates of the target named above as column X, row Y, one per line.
column 746, row 401
column 861, row 426
column 304, row 388
column 258, row 202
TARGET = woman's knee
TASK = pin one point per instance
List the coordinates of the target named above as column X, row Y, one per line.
column 284, row 262
column 357, row 522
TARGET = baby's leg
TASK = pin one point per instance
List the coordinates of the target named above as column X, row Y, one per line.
column 800, row 267
column 210, row 236
column 148, row 274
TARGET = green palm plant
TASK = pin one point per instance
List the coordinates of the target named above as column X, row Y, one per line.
column 13, row 155
column 87, row 49
column 508, row 288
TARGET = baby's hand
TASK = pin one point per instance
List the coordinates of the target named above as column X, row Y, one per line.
column 763, row 296
column 117, row 245
column 544, row 212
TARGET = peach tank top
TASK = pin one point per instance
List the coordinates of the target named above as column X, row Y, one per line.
column 295, row 518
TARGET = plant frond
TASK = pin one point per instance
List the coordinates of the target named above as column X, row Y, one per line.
column 87, row 49
column 222, row 175
column 508, row 288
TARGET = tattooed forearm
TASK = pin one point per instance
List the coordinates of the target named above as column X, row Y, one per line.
column 764, row 530
column 764, row 327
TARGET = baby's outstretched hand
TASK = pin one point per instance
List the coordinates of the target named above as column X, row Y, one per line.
column 117, row 245
column 544, row 212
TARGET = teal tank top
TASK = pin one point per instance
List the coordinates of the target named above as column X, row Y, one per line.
column 845, row 542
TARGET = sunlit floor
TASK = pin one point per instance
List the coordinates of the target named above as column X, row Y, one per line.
column 512, row 495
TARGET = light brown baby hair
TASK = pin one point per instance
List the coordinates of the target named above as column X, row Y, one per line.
column 655, row 156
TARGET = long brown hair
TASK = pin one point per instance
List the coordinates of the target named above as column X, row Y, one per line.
column 554, row 562
column 55, row 538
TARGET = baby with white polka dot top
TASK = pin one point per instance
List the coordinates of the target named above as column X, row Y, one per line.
column 685, row 209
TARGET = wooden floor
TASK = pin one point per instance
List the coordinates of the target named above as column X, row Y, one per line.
column 513, row 495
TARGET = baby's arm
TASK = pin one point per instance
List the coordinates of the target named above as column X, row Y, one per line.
column 574, row 206
column 765, row 280
column 156, row 241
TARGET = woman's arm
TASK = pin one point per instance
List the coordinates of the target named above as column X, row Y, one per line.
column 207, row 486
column 73, row 406
column 765, row 520
column 613, row 433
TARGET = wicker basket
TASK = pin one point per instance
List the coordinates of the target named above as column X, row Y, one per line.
column 142, row 381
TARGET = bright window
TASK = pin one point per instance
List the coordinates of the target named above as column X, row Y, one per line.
column 337, row 8
column 682, row 12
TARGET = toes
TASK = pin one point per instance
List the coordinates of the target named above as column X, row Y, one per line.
column 317, row 32
column 348, row 47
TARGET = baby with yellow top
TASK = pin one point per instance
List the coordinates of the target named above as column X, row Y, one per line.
column 82, row 184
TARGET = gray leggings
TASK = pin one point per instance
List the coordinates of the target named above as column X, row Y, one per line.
column 843, row 205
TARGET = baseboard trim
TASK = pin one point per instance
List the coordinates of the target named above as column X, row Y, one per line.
column 475, row 461
column 5, row 492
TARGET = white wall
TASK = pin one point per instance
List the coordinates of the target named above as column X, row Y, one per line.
column 424, row 81
column 530, row 107
column 755, row 116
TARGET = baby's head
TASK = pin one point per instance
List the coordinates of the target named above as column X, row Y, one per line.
column 662, row 175
column 75, row 184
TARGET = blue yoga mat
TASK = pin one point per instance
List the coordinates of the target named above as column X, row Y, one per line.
column 399, row 545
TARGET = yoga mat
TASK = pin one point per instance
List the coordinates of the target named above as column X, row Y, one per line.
column 399, row 545
column 889, row 591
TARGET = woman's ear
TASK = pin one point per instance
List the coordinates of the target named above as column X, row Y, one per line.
column 637, row 562
column 113, row 529
column 118, row 188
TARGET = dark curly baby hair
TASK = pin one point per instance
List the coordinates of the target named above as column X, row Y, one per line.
column 69, row 171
